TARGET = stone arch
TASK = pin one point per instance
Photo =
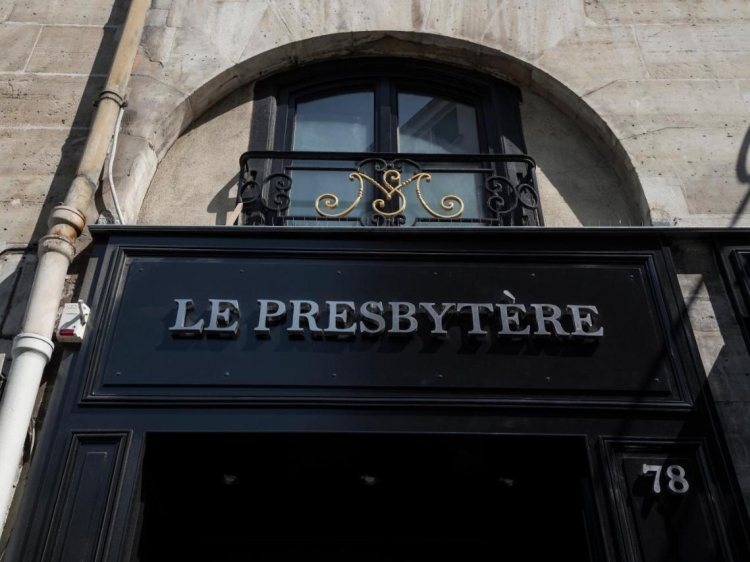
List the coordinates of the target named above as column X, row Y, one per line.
column 159, row 111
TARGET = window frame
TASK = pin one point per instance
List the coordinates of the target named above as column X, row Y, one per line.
column 497, row 105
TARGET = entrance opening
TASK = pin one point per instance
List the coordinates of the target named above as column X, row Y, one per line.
column 364, row 497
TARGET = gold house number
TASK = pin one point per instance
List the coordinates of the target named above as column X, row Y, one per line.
column 677, row 483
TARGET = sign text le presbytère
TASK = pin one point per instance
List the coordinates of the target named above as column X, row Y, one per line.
column 370, row 318
column 206, row 325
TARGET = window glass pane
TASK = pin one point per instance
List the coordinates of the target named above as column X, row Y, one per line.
column 310, row 184
column 430, row 124
column 344, row 122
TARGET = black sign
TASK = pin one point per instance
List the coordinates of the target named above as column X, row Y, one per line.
column 203, row 324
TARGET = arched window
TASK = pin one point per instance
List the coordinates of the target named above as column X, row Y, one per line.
column 387, row 142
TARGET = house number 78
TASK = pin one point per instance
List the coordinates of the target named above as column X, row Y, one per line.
column 677, row 483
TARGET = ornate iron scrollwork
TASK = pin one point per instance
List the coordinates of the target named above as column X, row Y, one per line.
column 511, row 195
column 503, row 197
column 391, row 186
column 260, row 198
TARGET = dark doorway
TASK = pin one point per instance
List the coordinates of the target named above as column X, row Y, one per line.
column 363, row 497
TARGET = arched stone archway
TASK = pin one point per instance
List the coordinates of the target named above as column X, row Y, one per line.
column 166, row 97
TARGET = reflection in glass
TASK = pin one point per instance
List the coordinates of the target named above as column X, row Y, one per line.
column 310, row 184
column 429, row 124
column 343, row 122
column 340, row 123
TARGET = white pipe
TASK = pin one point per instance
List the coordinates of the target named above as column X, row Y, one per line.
column 32, row 349
column 111, row 163
column 30, row 355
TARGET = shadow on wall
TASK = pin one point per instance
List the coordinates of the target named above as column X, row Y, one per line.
column 578, row 185
column 743, row 176
column 76, row 140
column 196, row 182
column 722, row 348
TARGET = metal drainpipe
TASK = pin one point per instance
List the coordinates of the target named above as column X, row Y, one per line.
column 33, row 347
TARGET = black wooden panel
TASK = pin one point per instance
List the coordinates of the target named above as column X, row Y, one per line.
column 674, row 520
column 735, row 262
column 82, row 512
column 137, row 358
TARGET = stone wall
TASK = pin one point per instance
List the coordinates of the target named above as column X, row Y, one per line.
column 660, row 87
column 54, row 58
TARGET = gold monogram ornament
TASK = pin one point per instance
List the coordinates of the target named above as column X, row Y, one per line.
column 391, row 186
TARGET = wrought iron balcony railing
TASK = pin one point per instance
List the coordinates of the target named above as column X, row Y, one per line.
column 387, row 189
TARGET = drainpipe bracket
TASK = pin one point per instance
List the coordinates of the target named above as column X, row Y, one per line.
column 111, row 95
column 27, row 341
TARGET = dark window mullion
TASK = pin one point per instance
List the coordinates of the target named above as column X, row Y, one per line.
column 385, row 139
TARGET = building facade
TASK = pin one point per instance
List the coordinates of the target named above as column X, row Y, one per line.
column 395, row 261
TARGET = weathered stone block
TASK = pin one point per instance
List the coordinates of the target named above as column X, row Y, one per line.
column 614, row 12
column 9, row 271
column 601, row 54
column 23, row 277
column 211, row 180
column 529, row 29
column 659, row 104
column 22, row 220
column 665, row 197
column 76, row 50
column 456, row 18
column 5, row 356
column 157, row 17
column 32, row 153
column 710, row 314
column 16, row 44
column 704, row 51
column 47, row 101
column 720, row 11
column 160, row 116
column 692, row 285
column 156, row 43
column 706, row 161
column 88, row 12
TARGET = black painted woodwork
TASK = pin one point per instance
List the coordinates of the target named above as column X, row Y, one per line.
column 154, row 447
column 734, row 256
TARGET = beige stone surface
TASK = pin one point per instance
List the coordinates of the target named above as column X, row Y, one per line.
column 33, row 100
column 720, row 11
column 614, row 12
column 196, row 182
column 577, row 185
column 81, row 12
column 16, row 44
column 602, row 54
column 692, row 51
column 74, row 49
